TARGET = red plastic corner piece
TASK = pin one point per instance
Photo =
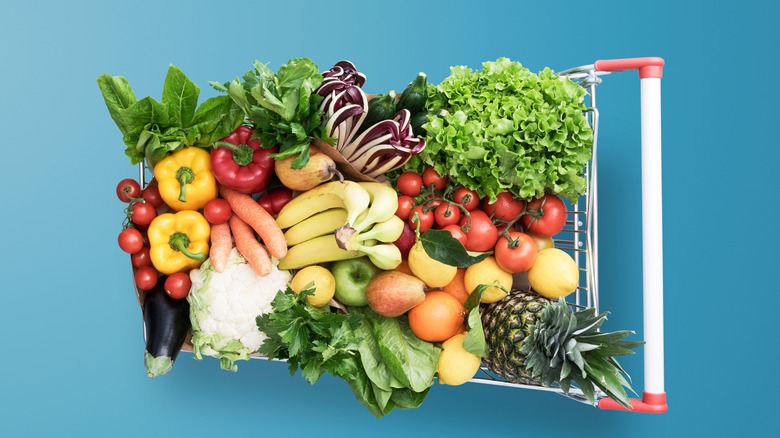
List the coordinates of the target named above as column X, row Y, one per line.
column 652, row 67
column 649, row 404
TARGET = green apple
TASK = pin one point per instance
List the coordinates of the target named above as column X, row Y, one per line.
column 352, row 277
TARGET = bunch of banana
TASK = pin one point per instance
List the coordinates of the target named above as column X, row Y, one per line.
column 340, row 220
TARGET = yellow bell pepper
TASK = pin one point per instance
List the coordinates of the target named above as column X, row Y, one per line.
column 185, row 179
column 178, row 241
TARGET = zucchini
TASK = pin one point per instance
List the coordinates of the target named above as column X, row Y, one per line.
column 381, row 107
column 166, row 324
column 415, row 95
column 417, row 121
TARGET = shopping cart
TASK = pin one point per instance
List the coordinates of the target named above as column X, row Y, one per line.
column 580, row 236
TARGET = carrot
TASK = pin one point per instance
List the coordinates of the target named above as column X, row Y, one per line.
column 221, row 244
column 258, row 218
column 249, row 247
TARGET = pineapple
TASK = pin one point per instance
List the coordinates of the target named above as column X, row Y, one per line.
column 536, row 341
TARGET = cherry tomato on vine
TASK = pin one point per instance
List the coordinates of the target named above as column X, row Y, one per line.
column 468, row 198
column 481, row 233
column 128, row 188
column 146, row 277
column 446, row 214
column 152, row 196
column 130, row 240
column 424, row 216
column 217, row 211
column 142, row 213
column 405, row 206
column 178, row 285
column 141, row 258
column 409, row 184
column 431, row 177
column 515, row 252
column 545, row 216
column 457, row 233
column 433, row 202
column 505, row 208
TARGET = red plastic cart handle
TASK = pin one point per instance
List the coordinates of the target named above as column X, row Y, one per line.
column 651, row 67
column 649, row 404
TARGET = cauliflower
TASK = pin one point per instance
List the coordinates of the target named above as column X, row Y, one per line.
column 224, row 307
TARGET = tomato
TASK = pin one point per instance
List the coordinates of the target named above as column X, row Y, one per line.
column 279, row 197
column 515, row 252
column 433, row 202
column 457, row 233
column 265, row 202
column 146, row 277
column 178, row 285
column 142, row 213
column 481, row 233
column 152, row 195
column 405, row 206
column 545, row 216
column 468, row 198
column 217, row 211
column 130, row 240
column 409, row 184
column 275, row 199
column 431, row 177
column 141, row 258
column 505, row 208
column 424, row 216
column 446, row 214
column 128, row 188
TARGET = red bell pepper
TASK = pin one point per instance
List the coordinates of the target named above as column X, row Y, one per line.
column 239, row 162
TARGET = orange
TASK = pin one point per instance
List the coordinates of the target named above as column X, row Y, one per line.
column 404, row 267
column 457, row 287
column 439, row 317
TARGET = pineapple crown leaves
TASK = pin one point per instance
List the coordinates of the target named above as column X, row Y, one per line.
column 566, row 347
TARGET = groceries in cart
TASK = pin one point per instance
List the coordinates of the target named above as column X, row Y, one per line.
column 432, row 233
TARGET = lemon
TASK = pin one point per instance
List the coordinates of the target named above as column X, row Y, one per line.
column 432, row 272
column 488, row 272
column 554, row 273
column 456, row 364
column 324, row 284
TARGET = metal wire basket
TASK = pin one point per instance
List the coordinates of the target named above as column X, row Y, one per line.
column 580, row 235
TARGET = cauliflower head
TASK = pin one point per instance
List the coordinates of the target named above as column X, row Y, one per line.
column 224, row 307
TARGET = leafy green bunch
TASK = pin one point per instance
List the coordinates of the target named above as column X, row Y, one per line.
column 384, row 363
column 152, row 129
column 505, row 128
column 283, row 107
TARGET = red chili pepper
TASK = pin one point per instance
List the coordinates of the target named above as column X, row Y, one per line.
column 241, row 163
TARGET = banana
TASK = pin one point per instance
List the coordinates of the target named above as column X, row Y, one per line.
column 384, row 203
column 387, row 231
column 314, row 251
column 348, row 195
column 385, row 256
column 314, row 226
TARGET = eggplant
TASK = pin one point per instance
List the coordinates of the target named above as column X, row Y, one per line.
column 166, row 324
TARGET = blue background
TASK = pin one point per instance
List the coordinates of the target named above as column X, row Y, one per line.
column 71, row 328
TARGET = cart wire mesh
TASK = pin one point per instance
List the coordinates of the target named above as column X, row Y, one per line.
column 579, row 236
